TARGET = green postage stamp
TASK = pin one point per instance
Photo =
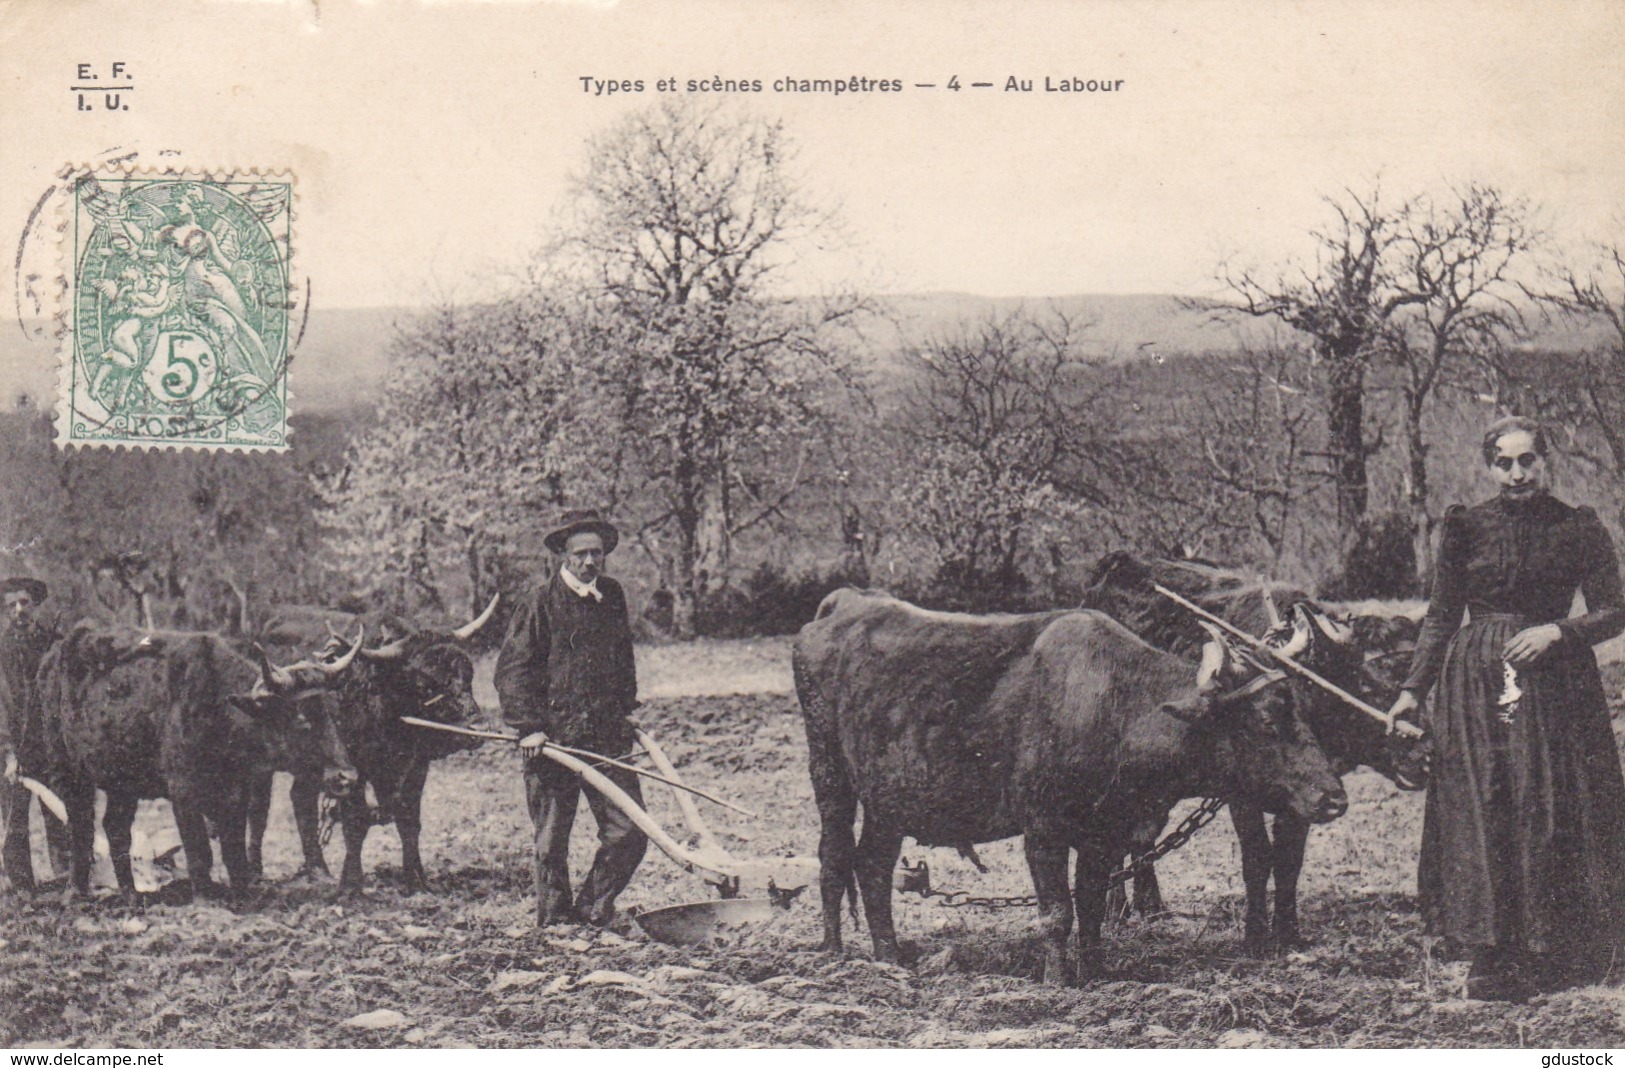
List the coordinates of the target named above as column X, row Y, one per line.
column 180, row 301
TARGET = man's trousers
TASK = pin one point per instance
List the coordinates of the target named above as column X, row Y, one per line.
column 15, row 803
column 552, row 794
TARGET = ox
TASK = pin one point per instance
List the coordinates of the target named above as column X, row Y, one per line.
column 408, row 670
column 1062, row 727
column 1368, row 656
column 183, row 716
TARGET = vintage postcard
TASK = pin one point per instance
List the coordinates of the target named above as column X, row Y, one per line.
column 710, row 523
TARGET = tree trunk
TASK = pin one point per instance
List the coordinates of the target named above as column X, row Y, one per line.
column 1416, row 492
column 686, row 513
column 472, row 562
column 421, row 571
column 1345, row 423
column 683, row 589
column 713, row 547
column 854, row 566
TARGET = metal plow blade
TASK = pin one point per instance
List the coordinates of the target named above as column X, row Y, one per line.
column 699, row 921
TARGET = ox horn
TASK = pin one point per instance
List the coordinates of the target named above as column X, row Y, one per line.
column 277, row 679
column 1340, row 631
column 472, row 627
column 338, row 666
column 1270, row 608
column 393, row 651
column 1299, row 642
column 1215, row 655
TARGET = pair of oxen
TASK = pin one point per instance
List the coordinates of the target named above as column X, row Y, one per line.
column 1080, row 730
column 205, row 720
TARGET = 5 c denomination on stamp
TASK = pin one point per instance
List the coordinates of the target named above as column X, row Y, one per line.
column 180, row 300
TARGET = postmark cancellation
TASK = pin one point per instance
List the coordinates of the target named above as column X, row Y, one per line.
column 180, row 301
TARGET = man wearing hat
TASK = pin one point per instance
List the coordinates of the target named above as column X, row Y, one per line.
column 566, row 675
column 24, row 638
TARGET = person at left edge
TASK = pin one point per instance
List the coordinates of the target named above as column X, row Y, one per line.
column 24, row 638
column 566, row 674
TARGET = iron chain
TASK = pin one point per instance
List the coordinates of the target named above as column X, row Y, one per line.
column 916, row 878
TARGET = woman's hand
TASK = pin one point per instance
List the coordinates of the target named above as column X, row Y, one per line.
column 1407, row 701
column 1529, row 645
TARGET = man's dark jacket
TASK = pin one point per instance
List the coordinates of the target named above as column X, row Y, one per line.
column 21, row 649
column 566, row 667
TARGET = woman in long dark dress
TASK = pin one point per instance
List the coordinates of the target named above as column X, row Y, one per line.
column 1523, row 844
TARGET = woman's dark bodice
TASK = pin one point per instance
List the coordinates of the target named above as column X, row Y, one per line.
column 1524, row 558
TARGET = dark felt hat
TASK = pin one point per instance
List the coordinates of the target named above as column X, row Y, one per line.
column 31, row 586
column 582, row 521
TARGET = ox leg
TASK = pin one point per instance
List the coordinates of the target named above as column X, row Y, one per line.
column 80, row 798
column 259, row 814
column 875, row 862
column 1257, row 858
column 1094, row 867
column 837, row 812
column 1148, row 900
column 306, row 796
column 356, row 820
column 409, row 824
column 56, row 845
column 233, row 827
column 1118, row 905
column 1291, row 836
column 1147, row 890
column 117, row 821
column 1046, row 861
column 194, row 832
column 18, row 850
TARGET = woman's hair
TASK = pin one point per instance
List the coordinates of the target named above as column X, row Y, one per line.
column 1512, row 424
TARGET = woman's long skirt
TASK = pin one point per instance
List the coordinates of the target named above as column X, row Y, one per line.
column 1523, row 846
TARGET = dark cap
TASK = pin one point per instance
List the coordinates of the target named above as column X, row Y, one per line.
column 582, row 521
column 31, row 586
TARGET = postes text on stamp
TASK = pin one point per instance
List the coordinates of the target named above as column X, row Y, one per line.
column 180, row 307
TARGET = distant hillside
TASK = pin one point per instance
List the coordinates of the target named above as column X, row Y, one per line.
column 338, row 364
column 1113, row 326
column 342, row 360
column 1117, row 326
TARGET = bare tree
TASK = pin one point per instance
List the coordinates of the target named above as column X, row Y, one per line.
column 1255, row 439
column 1598, row 294
column 685, row 218
column 1595, row 393
column 1003, row 428
column 1343, row 301
column 1458, row 261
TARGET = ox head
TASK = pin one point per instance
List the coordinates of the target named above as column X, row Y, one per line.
column 1369, row 657
column 94, row 648
column 293, row 706
column 429, row 674
column 1263, row 746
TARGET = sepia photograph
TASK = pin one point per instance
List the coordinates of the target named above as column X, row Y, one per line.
column 673, row 524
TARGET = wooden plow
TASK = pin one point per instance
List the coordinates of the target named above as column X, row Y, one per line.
column 779, row 880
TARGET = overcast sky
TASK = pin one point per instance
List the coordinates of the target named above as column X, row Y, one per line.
column 430, row 142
